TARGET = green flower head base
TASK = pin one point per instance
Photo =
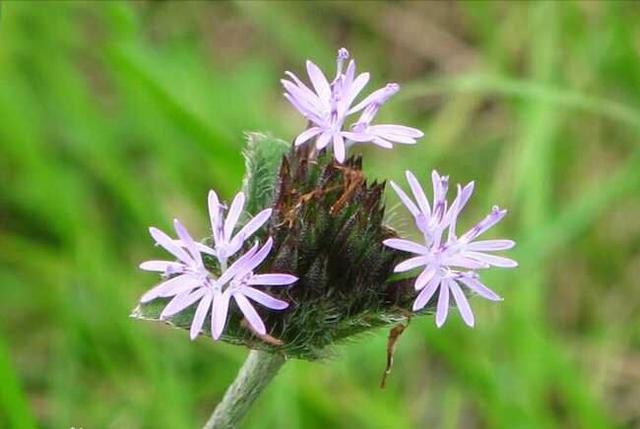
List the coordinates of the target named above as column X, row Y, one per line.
column 327, row 270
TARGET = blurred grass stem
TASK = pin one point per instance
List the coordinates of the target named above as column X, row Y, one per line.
column 255, row 374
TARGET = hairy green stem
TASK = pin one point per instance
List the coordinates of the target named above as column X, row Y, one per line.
column 255, row 374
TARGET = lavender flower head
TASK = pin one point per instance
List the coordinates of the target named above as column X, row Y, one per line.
column 328, row 106
column 225, row 243
column 451, row 261
column 190, row 282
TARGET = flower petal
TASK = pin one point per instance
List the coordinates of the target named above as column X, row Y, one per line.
column 462, row 261
column 238, row 266
column 253, row 225
column 418, row 194
column 319, row 81
column 496, row 261
column 338, row 147
column 354, row 89
column 264, row 299
column 161, row 266
column 200, row 315
column 175, row 285
column 405, row 199
column 410, row 264
column 182, row 301
column 219, row 313
column 477, row 287
column 405, row 245
column 250, row 314
column 443, row 305
column 398, row 130
column 461, row 302
column 272, row 279
column 188, row 242
column 260, row 255
column 425, row 295
column 307, row 135
column 233, row 215
column 167, row 243
column 382, row 143
column 425, row 277
column 323, row 140
column 215, row 216
column 491, row 245
column 490, row 220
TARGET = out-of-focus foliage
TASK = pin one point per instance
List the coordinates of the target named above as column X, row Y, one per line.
column 115, row 116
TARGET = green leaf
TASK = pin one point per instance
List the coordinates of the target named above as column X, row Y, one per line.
column 263, row 156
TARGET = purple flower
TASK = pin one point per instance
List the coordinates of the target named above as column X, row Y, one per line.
column 442, row 259
column 383, row 135
column 184, row 274
column 195, row 284
column 329, row 104
column 226, row 244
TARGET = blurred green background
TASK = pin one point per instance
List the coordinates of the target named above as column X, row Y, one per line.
column 115, row 116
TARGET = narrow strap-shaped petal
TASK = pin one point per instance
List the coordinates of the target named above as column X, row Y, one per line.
column 304, row 93
column 219, row 313
column 418, row 194
column 200, row 315
column 355, row 88
column 263, row 298
column 358, row 137
column 476, row 286
column 240, row 265
column 215, row 216
column 203, row 248
column 188, row 241
column 323, row 140
column 390, row 133
column 182, row 301
column 167, row 243
column 440, row 187
column 161, row 266
column 233, row 215
column 399, row 130
column 250, row 314
column 307, row 135
column 490, row 220
column 405, row 199
column 405, row 245
column 451, row 218
column 319, row 81
column 380, row 142
column 410, row 264
column 425, row 295
column 496, row 261
column 272, row 279
column 171, row 287
column 375, row 95
column 338, row 147
column 490, row 245
column 308, row 112
column 462, row 261
column 461, row 302
column 425, row 277
column 443, row 305
column 260, row 255
column 253, row 225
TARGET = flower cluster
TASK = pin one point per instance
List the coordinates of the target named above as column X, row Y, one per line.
column 451, row 261
column 188, row 281
column 328, row 105
column 327, row 226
